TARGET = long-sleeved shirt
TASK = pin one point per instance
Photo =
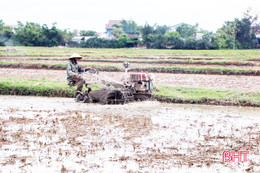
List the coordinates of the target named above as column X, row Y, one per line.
column 73, row 69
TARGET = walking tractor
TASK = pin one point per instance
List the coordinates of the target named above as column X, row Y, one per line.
column 132, row 87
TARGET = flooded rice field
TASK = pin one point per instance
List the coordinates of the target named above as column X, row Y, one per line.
column 39, row 134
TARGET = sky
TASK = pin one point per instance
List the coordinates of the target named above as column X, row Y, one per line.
column 95, row 14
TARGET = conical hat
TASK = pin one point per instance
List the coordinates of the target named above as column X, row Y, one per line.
column 74, row 55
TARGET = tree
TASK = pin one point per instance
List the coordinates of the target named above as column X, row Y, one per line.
column 29, row 34
column 95, row 42
column 6, row 33
column 159, row 41
column 174, row 40
column 123, row 39
column 33, row 34
column 147, row 32
column 243, row 31
column 236, row 33
column 190, row 43
column 52, row 36
column 130, row 27
column 161, row 30
column 117, row 32
column 67, row 37
column 205, row 41
column 186, row 31
column 87, row 33
column 222, row 40
column 133, row 41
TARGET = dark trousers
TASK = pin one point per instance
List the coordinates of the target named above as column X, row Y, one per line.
column 79, row 80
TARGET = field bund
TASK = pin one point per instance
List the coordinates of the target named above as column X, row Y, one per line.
column 208, row 62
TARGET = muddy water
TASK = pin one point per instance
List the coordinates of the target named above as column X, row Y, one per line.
column 57, row 134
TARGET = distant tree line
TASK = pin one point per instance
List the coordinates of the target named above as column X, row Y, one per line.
column 33, row 34
column 235, row 34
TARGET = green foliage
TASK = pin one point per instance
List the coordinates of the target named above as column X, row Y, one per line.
column 174, row 40
column 186, row 31
column 130, row 27
column 243, row 33
column 96, row 42
column 203, row 44
column 122, row 40
column 222, row 40
column 52, row 36
column 36, row 87
column 238, row 32
column 6, row 33
column 202, row 95
column 133, row 41
column 147, row 32
column 190, row 43
column 117, row 32
column 87, row 33
column 161, row 30
column 154, row 36
column 33, row 34
column 159, row 41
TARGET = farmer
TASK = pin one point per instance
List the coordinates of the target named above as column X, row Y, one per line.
column 73, row 70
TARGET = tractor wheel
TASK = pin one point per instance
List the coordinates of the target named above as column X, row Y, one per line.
column 115, row 97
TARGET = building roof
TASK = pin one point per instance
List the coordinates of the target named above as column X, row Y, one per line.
column 112, row 22
column 132, row 35
column 12, row 26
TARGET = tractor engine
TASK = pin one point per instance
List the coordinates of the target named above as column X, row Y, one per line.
column 141, row 85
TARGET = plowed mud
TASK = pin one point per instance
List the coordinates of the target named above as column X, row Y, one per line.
column 40, row 134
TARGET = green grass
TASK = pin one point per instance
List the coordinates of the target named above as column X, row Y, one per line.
column 37, row 87
column 197, row 95
column 45, row 87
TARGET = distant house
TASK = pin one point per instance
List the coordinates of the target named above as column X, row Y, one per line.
column 132, row 35
column 12, row 26
column 77, row 39
column 256, row 31
column 110, row 27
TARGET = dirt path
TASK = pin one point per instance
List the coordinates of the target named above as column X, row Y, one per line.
column 59, row 135
column 247, row 83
